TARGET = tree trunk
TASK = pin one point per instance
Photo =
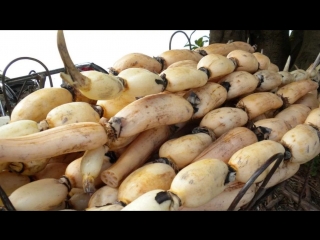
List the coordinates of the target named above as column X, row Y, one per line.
column 274, row 43
column 223, row 36
column 309, row 51
column 296, row 39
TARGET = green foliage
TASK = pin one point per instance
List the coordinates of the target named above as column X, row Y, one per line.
column 198, row 43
